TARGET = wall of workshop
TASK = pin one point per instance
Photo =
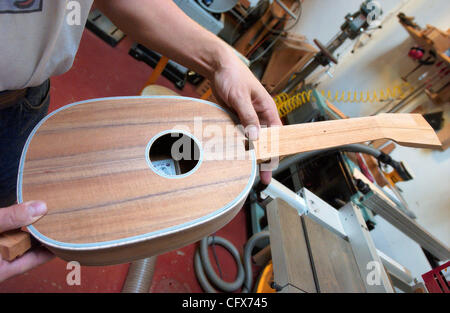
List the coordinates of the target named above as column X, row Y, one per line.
column 379, row 64
column 383, row 59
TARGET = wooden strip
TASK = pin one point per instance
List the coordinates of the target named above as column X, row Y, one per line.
column 372, row 165
column 335, row 110
column 444, row 136
column 406, row 129
column 290, row 257
column 388, row 148
column 157, row 71
column 207, row 94
column 262, row 257
column 378, row 143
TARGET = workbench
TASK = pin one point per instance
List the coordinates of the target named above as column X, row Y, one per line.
column 307, row 257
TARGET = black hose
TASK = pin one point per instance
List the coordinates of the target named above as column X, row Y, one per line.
column 208, row 278
column 287, row 162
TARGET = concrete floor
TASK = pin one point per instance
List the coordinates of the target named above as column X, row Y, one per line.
column 102, row 71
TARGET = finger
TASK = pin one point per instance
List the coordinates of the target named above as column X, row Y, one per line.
column 19, row 215
column 265, row 177
column 268, row 113
column 23, row 264
column 247, row 116
column 270, row 117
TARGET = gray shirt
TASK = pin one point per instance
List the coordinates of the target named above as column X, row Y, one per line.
column 38, row 39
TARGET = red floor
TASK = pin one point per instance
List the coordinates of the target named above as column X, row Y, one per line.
column 102, row 71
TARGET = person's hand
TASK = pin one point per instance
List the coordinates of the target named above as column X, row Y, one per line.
column 236, row 86
column 14, row 217
column 164, row 27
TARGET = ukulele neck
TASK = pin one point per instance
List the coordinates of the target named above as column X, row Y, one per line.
column 405, row 129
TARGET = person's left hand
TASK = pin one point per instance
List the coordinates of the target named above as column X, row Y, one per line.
column 14, row 217
column 236, row 86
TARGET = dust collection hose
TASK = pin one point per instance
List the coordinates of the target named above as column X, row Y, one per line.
column 300, row 157
column 358, row 148
column 206, row 274
column 140, row 275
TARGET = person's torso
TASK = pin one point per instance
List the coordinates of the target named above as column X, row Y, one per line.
column 39, row 39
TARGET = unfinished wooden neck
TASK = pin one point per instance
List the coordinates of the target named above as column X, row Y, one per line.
column 406, row 129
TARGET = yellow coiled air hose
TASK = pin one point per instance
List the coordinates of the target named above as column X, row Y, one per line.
column 286, row 104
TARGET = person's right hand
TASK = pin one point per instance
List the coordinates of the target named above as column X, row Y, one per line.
column 14, row 217
column 235, row 85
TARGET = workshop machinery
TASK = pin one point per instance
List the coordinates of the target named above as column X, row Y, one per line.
column 299, row 181
column 355, row 24
column 348, row 224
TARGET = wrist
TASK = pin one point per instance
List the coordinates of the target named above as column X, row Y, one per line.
column 217, row 57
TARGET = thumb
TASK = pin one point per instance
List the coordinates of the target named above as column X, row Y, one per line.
column 19, row 215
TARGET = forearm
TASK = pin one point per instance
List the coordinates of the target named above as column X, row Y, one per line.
column 163, row 27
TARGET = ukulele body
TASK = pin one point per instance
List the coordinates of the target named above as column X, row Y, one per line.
column 116, row 192
column 93, row 163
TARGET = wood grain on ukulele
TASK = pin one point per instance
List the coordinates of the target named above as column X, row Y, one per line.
column 107, row 206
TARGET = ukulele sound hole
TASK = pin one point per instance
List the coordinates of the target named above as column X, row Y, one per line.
column 174, row 155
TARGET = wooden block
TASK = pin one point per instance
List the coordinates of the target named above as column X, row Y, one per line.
column 431, row 38
column 283, row 63
column 290, row 257
column 245, row 3
column 13, row 244
column 440, row 98
column 378, row 143
column 372, row 165
column 251, row 38
column 389, row 148
column 334, row 262
column 158, row 90
column 245, row 43
column 262, row 257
